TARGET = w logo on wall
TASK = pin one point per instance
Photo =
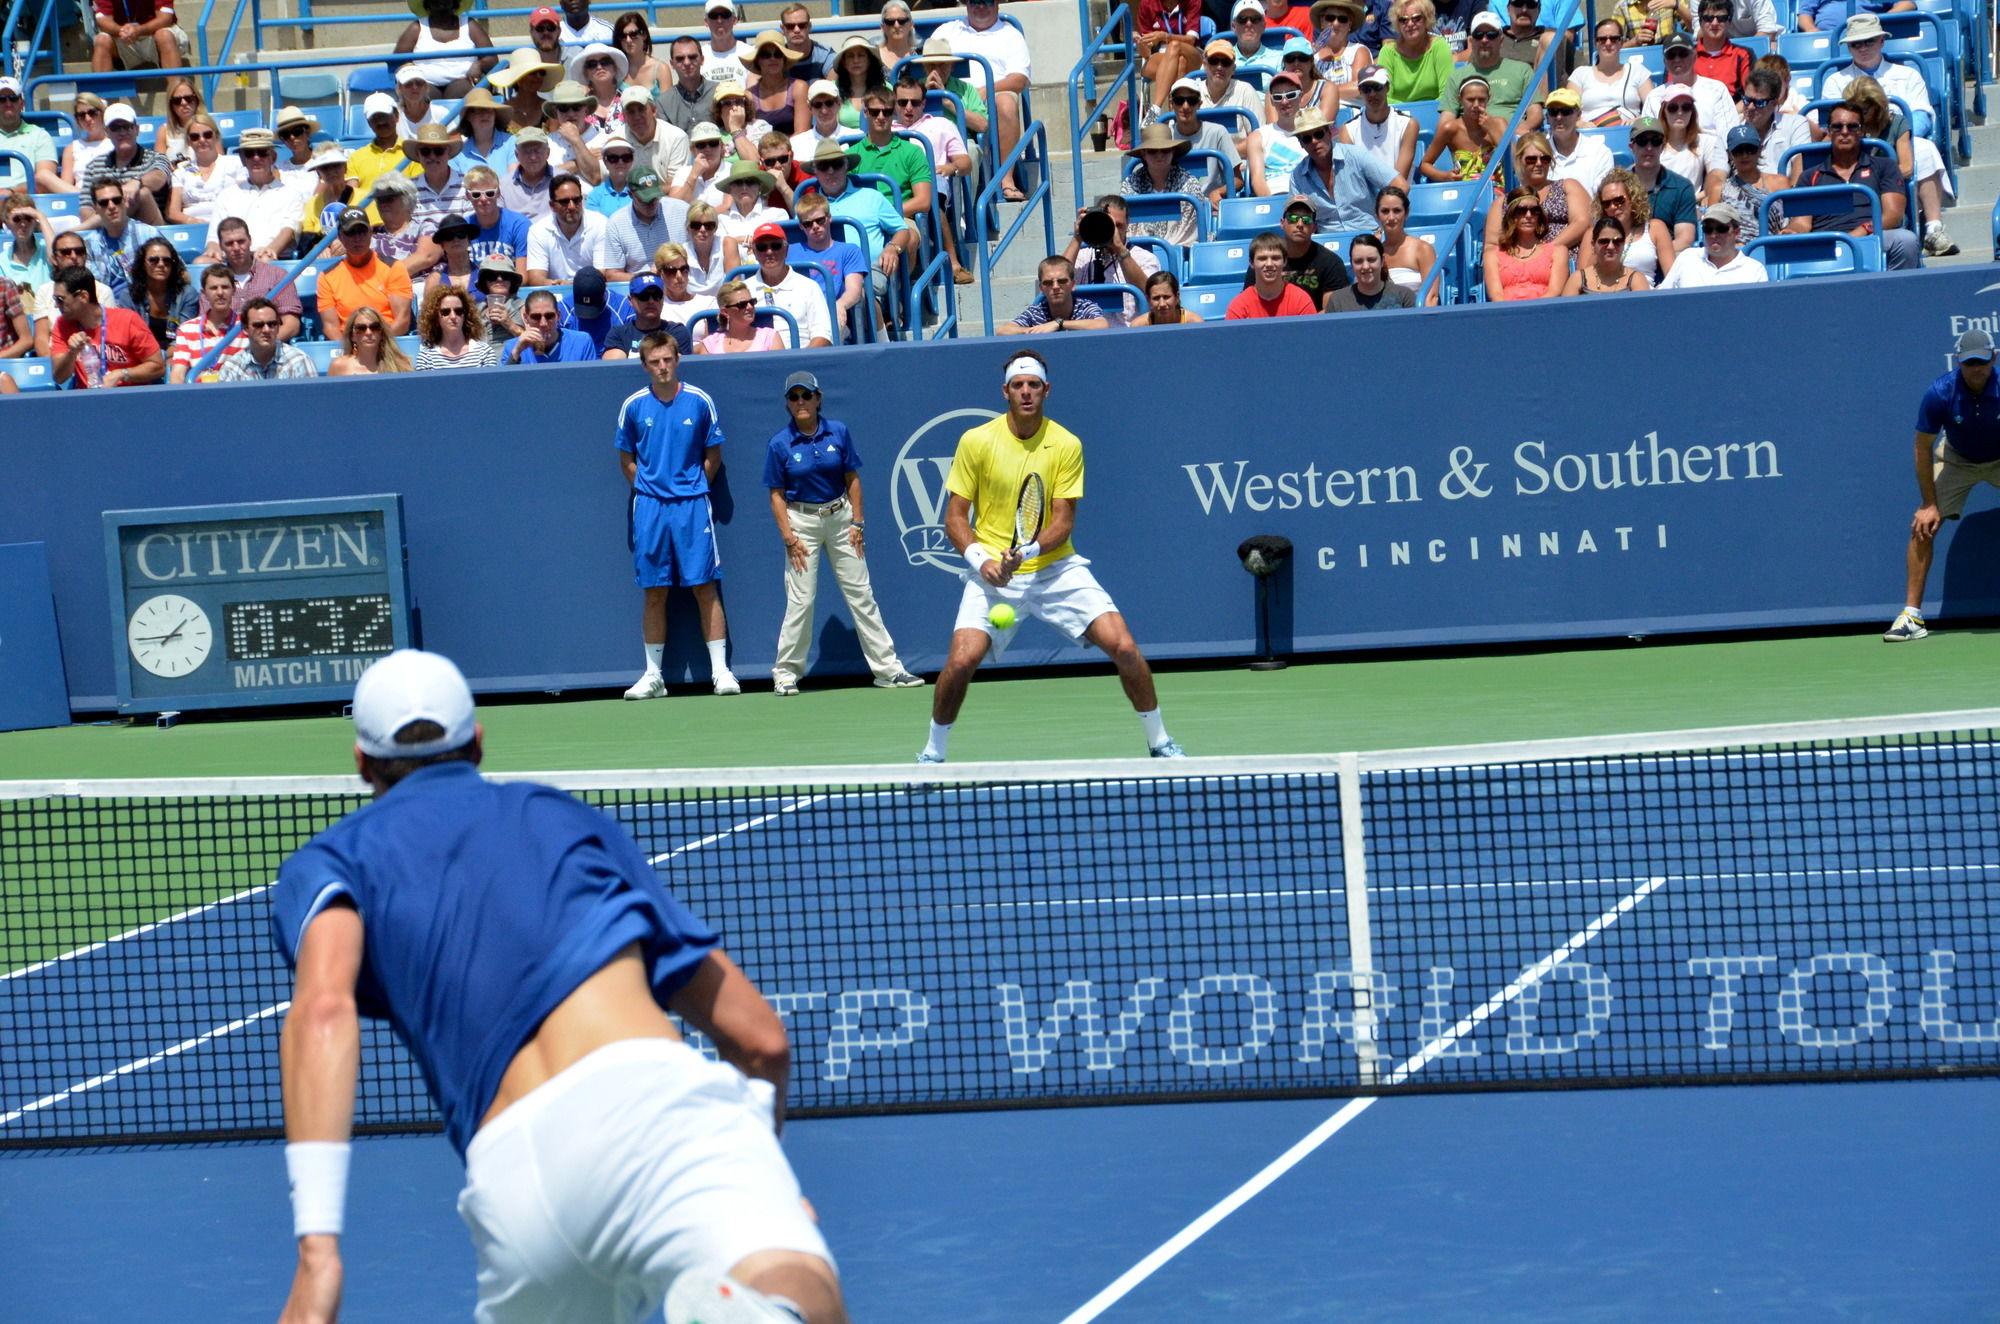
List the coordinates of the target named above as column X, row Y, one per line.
column 917, row 494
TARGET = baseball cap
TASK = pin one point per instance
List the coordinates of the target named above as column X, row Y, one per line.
column 120, row 112
column 704, row 132
column 1745, row 136
column 1562, row 96
column 544, row 15
column 1189, row 84
column 1485, row 20
column 532, row 134
column 1673, row 44
column 646, row 186
column 1297, row 202
column 811, row 383
column 1376, row 76
column 644, row 283
column 410, row 73
column 350, row 220
column 1220, row 47
column 718, row 7
column 1293, row 79
column 1242, row 7
column 821, row 88
column 1677, row 92
column 411, row 686
column 1644, row 124
column 635, row 96
column 1974, row 346
column 769, row 231
column 1295, row 46
column 378, row 103
column 1722, row 213
column 587, row 291
column 10, row 85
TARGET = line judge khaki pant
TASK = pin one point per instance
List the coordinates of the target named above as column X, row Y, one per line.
column 850, row 571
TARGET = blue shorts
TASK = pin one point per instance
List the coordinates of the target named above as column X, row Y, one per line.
column 672, row 541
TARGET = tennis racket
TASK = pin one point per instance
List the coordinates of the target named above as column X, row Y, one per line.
column 1030, row 510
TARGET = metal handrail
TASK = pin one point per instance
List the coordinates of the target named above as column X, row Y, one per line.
column 1041, row 195
column 1457, row 243
column 1128, row 77
column 38, row 38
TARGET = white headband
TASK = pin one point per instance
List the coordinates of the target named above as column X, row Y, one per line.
column 1026, row 367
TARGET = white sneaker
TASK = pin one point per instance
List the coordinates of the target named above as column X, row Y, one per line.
column 726, row 683
column 1909, row 624
column 1937, row 240
column 699, row 1298
column 925, row 756
column 648, row 686
column 784, row 686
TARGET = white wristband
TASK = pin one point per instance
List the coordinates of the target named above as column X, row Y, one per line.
column 318, row 1170
column 976, row 555
column 1028, row 551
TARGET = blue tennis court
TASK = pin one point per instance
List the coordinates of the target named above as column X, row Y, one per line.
column 1732, row 916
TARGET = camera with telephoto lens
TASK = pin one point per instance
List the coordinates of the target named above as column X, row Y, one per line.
column 1094, row 228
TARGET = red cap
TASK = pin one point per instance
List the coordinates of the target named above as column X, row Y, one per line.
column 544, row 14
column 769, row 231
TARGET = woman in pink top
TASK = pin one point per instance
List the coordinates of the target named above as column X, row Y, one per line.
column 1524, row 265
column 740, row 333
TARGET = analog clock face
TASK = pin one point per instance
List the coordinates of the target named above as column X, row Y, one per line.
column 169, row 635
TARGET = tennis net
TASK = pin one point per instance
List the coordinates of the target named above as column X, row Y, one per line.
column 1762, row 903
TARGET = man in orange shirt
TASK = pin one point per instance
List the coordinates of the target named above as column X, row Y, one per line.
column 1270, row 293
column 363, row 280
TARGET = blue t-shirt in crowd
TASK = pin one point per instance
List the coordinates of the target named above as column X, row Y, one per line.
column 617, row 308
column 483, row 906
column 506, row 237
column 1971, row 423
column 814, row 468
column 669, row 439
column 836, row 262
column 571, row 347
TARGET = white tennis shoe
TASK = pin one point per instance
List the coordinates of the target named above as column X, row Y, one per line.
column 649, row 686
column 1909, row 624
column 726, row 683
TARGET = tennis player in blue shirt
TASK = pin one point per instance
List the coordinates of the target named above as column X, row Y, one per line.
column 525, row 951
column 669, row 449
column 1963, row 405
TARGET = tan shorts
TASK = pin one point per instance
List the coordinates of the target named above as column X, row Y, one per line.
column 1954, row 479
column 145, row 52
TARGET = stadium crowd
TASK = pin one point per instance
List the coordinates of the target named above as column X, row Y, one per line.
column 708, row 179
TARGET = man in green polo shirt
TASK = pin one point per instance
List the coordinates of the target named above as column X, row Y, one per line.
column 881, row 152
column 27, row 140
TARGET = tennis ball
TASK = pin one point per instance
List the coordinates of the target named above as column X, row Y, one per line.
column 1001, row 617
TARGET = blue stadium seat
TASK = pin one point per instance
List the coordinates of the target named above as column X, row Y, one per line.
column 187, row 240
column 1242, row 218
column 1143, row 207
column 1653, row 59
column 309, row 90
column 321, row 352
column 1112, row 297
column 1425, row 113
column 1617, row 138
column 1210, row 302
column 1809, row 49
column 29, row 374
column 56, row 205
column 234, row 122
column 703, row 323
column 1825, row 253
column 1168, row 255
column 1223, row 259
column 1441, row 204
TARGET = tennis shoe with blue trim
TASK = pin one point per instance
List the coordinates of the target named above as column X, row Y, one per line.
column 784, row 687
column 902, row 680
column 1909, row 624
column 698, row 1298
column 1171, row 750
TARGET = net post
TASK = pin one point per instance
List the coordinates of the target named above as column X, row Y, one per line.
column 1360, row 939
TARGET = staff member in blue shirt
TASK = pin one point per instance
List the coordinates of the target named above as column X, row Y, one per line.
column 670, row 449
column 813, row 472
column 1964, row 405
column 524, row 950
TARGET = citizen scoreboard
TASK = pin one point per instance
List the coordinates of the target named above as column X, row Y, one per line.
column 268, row 602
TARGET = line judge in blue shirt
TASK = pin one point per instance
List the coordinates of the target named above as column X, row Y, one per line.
column 524, row 950
column 1963, row 405
column 670, row 449
column 813, row 472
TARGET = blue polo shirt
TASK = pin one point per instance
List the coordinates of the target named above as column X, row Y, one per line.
column 836, row 262
column 814, row 468
column 506, row 237
column 483, row 906
column 605, row 200
column 1971, row 423
column 669, row 439
column 571, row 347
column 1350, row 204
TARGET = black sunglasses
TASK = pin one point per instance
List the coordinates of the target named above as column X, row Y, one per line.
column 798, row 393
column 1715, row 227
column 1312, row 136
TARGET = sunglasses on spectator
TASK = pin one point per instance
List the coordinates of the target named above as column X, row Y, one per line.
column 769, row 248
column 124, row 126
column 600, row 62
column 819, row 103
column 1757, row 103
column 576, row 201
column 372, row 328
column 1286, row 97
column 88, row 114
column 1844, row 126
column 542, row 317
column 1331, row 19
column 1561, row 110
column 1187, row 101
column 1613, row 200
column 159, row 259
column 895, row 22
column 1312, row 137
column 1715, row 227
column 679, row 270
column 1611, row 39
column 207, row 136
column 830, row 165
column 701, row 225
column 1610, row 241
column 450, row 310
column 775, row 162
column 69, row 252
column 1680, row 108
column 814, row 222
column 482, row 194
column 1298, row 218
column 909, row 103
column 265, row 324
column 618, row 158
column 798, row 393
column 295, row 131
column 1536, row 158
column 1221, row 62
column 1529, row 210
column 109, row 200
column 544, row 27
column 185, row 99
column 742, row 306
column 1650, row 140
column 655, row 296
column 873, row 111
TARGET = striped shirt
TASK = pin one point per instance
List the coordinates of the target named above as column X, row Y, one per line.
column 192, row 341
column 479, row 354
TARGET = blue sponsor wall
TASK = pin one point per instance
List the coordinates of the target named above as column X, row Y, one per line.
column 1725, row 459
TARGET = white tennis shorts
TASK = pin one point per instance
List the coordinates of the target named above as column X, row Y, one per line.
column 590, row 1195
column 1064, row 593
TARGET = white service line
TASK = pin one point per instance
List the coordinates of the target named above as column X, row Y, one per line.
column 1332, row 1126
column 746, row 826
column 50, row 1100
column 139, row 932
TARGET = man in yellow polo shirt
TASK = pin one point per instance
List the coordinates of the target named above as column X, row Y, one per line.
column 1043, row 578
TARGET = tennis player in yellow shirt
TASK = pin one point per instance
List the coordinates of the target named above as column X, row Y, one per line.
column 1019, row 552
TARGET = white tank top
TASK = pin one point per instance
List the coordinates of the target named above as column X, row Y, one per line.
column 439, row 72
column 1615, row 100
column 1383, row 141
column 1282, row 155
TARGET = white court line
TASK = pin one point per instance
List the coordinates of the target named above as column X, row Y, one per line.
column 1332, row 1126
column 748, row 825
column 141, row 931
column 60, row 1096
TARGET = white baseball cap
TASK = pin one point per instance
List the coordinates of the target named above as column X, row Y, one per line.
column 822, row 87
column 635, row 96
column 1243, row 7
column 10, row 85
column 378, row 103
column 120, row 112
column 411, row 686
